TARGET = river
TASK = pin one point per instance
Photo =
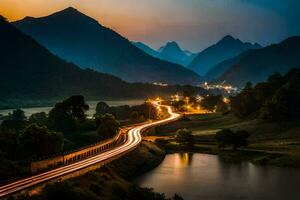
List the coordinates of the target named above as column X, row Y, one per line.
column 90, row 112
column 207, row 177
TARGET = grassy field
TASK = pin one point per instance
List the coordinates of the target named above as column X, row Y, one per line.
column 269, row 143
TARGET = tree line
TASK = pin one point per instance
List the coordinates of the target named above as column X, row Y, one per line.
column 275, row 99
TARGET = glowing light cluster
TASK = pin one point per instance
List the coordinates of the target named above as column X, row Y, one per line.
column 223, row 86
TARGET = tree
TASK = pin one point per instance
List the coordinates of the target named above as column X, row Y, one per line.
column 226, row 137
column 76, row 107
column 38, row 141
column 284, row 104
column 107, row 125
column 177, row 197
column 65, row 115
column 188, row 91
column 16, row 120
column 102, row 108
column 9, row 143
column 8, row 169
column 134, row 116
column 214, row 103
column 245, row 103
column 39, row 119
column 185, row 137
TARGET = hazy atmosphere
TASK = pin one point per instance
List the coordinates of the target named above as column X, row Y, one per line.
column 149, row 99
column 194, row 24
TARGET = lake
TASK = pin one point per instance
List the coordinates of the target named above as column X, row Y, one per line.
column 207, row 177
column 90, row 112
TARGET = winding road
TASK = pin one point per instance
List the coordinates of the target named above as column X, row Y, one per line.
column 134, row 138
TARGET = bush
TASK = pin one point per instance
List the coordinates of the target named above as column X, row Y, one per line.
column 107, row 126
column 38, row 141
column 226, row 137
column 16, row 121
column 185, row 137
column 39, row 119
column 66, row 191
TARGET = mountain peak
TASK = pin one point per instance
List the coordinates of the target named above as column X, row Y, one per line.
column 172, row 45
column 228, row 39
column 66, row 17
column 70, row 11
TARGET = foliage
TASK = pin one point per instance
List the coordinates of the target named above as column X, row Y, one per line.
column 39, row 119
column 244, row 103
column 66, row 115
column 188, row 91
column 145, row 110
column 107, row 125
column 134, row 116
column 66, row 191
column 185, row 137
column 226, row 137
column 9, row 143
column 8, row 169
column 214, row 103
column 38, row 141
column 102, row 108
column 275, row 99
column 16, row 120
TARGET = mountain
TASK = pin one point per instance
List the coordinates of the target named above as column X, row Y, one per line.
column 147, row 49
column 80, row 39
column 28, row 71
column 173, row 53
column 219, row 69
column 257, row 65
column 228, row 47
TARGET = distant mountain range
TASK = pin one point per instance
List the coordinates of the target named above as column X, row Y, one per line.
column 80, row 39
column 171, row 52
column 257, row 65
column 228, row 47
column 29, row 71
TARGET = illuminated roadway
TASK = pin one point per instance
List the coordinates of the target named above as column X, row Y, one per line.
column 134, row 138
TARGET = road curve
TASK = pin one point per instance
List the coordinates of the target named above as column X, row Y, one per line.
column 134, row 138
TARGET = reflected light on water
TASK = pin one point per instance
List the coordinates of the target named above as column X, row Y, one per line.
column 183, row 160
column 208, row 177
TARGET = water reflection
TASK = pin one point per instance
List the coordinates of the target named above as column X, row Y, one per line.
column 207, row 177
column 184, row 159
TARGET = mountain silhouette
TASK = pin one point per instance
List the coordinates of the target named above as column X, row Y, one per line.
column 28, row 71
column 147, row 49
column 257, row 65
column 78, row 38
column 228, row 47
column 171, row 52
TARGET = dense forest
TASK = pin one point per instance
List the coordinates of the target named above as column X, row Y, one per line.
column 275, row 99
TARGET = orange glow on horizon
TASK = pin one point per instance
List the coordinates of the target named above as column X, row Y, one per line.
column 105, row 13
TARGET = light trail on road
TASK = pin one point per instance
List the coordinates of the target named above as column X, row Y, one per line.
column 134, row 138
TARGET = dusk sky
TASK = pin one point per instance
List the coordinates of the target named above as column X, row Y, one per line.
column 194, row 24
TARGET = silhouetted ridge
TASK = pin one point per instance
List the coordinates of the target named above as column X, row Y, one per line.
column 257, row 65
column 228, row 47
column 28, row 71
column 85, row 42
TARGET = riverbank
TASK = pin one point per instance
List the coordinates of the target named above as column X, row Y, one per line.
column 276, row 144
column 260, row 157
column 112, row 181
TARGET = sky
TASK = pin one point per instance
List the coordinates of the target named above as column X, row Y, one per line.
column 194, row 24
